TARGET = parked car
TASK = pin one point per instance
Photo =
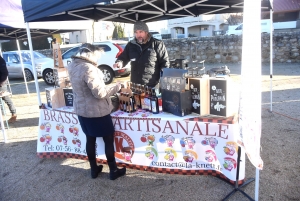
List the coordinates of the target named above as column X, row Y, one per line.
column 156, row 35
column 112, row 49
column 14, row 66
column 238, row 29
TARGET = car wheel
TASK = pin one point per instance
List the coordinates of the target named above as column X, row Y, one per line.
column 28, row 75
column 108, row 74
column 49, row 77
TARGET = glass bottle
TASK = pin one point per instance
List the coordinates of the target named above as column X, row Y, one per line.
column 121, row 102
column 133, row 87
column 132, row 103
column 124, row 103
column 146, row 99
column 142, row 96
column 154, row 103
column 150, row 97
column 129, row 85
column 137, row 97
column 127, row 103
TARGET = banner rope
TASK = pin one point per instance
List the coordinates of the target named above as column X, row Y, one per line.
column 282, row 114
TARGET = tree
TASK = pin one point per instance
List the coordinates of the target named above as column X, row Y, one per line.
column 118, row 30
column 235, row 19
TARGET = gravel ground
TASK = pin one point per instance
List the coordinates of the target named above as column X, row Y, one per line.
column 24, row 176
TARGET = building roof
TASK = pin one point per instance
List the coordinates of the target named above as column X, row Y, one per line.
column 286, row 6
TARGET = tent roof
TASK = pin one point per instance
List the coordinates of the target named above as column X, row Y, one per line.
column 128, row 11
column 38, row 29
column 20, row 33
column 12, row 24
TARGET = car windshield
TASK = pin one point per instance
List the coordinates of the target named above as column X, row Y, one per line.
column 27, row 57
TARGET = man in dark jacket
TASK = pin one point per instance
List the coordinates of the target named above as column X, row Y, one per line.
column 148, row 56
column 3, row 90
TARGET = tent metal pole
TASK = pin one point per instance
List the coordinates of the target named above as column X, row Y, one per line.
column 3, row 128
column 1, row 117
column 256, row 184
column 271, row 57
column 251, row 92
column 33, row 65
column 21, row 60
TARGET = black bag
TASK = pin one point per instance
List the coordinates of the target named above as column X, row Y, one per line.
column 115, row 102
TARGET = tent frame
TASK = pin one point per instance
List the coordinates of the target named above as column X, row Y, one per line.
column 159, row 15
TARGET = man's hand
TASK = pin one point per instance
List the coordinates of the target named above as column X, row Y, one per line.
column 119, row 64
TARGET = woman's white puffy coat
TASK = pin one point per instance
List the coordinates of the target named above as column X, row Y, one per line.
column 91, row 95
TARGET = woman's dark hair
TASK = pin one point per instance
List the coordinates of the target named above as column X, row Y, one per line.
column 89, row 51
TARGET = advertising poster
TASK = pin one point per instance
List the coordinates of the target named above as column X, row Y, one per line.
column 175, row 144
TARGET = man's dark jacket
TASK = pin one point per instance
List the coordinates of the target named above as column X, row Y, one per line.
column 3, row 71
column 146, row 63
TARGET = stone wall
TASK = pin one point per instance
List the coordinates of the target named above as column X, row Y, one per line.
column 228, row 49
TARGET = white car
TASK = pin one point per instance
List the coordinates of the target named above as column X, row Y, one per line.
column 14, row 66
column 112, row 49
column 156, row 35
column 238, row 29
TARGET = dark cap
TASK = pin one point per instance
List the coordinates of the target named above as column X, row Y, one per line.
column 139, row 25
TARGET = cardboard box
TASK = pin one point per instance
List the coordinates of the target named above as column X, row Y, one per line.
column 222, row 97
column 55, row 97
column 61, row 77
column 57, row 57
column 177, row 103
column 200, row 95
column 173, row 80
column 68, row 96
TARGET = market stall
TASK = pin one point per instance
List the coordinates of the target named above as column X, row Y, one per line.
column 131, row 11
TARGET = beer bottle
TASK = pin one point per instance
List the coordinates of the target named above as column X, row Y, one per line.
column 121, row 102
column 154, row 103
column 124, row 103
column 146, row 99
column 137, row 97
column 142, row 97
column 150, row 97
column 133, row 87
column 132, row 103
column 129, row 85
column 127, row 103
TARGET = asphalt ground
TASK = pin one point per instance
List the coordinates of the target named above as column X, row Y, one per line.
column 24, row 176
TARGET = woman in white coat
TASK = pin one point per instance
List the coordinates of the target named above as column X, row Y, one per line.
column 93, row 106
